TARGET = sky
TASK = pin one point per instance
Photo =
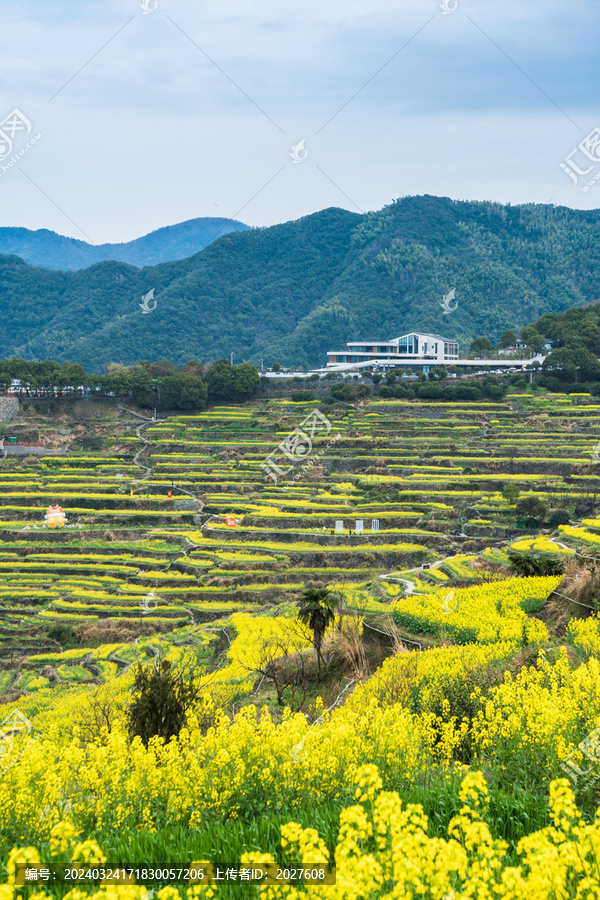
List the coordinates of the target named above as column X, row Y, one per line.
column 118, row 117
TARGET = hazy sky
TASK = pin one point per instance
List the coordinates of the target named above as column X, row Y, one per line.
column 148, row 119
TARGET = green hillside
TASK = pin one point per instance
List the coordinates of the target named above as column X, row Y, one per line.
column 291, row 292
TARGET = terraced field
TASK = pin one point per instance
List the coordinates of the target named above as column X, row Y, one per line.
column 191, row 539
column 147, row 545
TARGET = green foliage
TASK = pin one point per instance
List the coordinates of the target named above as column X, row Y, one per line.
column 348, row 393
column 226, row 382
column 397, row 390
column 481, row 346
column 438, row 372
column 511, row 492
column 317, row 611
column 532, row 507
column 530, row 563
column 159, row 385
column 558, row 517
column 302, row 396
column 162, row 699
column 508, row 339
column 62, row 634
column 533, row 339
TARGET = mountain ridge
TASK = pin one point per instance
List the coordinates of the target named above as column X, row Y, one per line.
column 51, row 250
column 293, row 291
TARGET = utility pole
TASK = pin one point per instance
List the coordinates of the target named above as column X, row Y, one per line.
column 262, row 364
column 154, row 413
column 232, row 356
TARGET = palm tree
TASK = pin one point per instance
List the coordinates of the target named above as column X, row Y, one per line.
column 317, row 611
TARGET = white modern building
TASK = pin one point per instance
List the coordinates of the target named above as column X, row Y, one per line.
column 413, row 350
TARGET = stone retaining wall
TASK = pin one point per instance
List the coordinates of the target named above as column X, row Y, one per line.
column 9, row 408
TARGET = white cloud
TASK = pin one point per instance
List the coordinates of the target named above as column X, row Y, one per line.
column 151, row 132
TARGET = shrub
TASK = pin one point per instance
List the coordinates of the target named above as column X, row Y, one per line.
column 468, row 392
column 62, row 634
column 537, row 564
column 163, row 701
column 558, row 517
column 302, row 396
column 531, row 507
column 348, row 393
column 430, row 392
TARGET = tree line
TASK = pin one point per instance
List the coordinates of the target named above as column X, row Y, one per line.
column 159, row 385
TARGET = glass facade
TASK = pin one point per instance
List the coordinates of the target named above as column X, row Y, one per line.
column 409, row 344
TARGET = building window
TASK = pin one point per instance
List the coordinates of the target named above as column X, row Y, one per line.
column 408, row 344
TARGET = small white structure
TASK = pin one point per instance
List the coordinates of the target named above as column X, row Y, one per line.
column 339, row 526
column 375, row 525
column 359, row 526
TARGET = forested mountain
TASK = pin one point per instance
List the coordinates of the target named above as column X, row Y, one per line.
column 293, row 291
column 54, row 251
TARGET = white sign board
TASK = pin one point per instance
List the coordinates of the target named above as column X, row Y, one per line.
column 359, row 526
column 375, row 525
column 339, row 526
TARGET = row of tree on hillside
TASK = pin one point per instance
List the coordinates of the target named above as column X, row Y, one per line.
column 534, row 342
column 161, row 385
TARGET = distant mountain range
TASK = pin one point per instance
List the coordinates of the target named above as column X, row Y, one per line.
column 54, row 251
column 290, row 292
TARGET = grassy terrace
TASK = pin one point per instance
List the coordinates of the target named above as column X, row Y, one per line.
column 133, row 559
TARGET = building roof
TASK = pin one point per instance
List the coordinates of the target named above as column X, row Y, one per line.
column 438, row 337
